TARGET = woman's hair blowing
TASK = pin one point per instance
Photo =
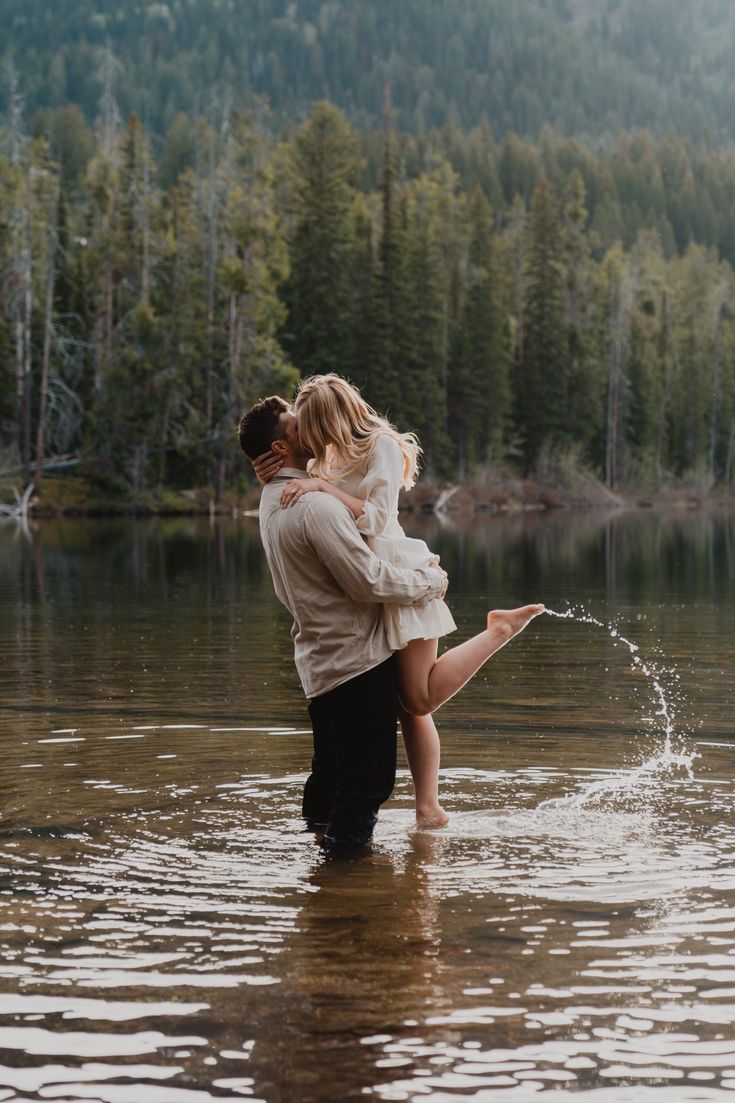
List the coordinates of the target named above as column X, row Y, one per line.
column 335, row 420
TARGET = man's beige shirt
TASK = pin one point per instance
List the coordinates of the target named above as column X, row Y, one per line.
column 333, row 585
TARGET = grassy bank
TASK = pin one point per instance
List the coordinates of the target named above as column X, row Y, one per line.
column 502, row 493
column 83, row 497
column 494, row 492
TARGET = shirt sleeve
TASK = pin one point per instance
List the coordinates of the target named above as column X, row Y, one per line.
column 382, row 482
column 330, row 531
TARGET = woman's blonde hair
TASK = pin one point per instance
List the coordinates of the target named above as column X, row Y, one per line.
column 335, row 422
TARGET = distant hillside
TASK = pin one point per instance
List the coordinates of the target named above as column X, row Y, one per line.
column 590, row 68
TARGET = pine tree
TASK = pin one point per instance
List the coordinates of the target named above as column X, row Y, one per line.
column 71, row 146
column 254, row 265
column 182, row 295
column 367, row 350
column 584, row 378
column 618, row 295
column 319, row 295
column 479, row 390
column 423, row 394
column 384, row 386
column 542, row 381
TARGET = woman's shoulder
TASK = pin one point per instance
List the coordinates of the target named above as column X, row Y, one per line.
column 387, row 447
column 384, row 460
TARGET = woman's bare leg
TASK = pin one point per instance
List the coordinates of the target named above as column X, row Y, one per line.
column 427, row 682
column 421, row 740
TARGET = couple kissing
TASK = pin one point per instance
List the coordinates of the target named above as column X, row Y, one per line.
column 367, row 602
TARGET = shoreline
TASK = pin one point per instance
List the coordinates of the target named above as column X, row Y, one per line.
column 514, row 496
column 64, row 498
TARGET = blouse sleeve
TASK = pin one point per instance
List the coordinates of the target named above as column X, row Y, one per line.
column 382, row 484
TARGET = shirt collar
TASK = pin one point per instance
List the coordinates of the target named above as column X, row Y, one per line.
column 290, row 473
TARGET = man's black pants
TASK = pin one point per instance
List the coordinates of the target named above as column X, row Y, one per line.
column 354, row 765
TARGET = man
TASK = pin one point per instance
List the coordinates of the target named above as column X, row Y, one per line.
column 334, row 587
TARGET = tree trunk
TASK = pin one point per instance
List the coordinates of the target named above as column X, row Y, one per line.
column 19, row 355
column 666, row 359
column 27, row 361
column 145, row 228
column 613, row 403
column 164, row 439
column 103, row 328
column 236, row 341
column 730, row 461
column 48, row 328
column 520, row 296
column 716, row 396
column 620, row 313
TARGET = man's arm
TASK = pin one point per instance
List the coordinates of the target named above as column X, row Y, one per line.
column 331, row 532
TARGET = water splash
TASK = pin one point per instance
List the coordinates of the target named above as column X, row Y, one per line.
column 672, row 757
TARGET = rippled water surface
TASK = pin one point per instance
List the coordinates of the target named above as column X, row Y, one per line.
column 169, row 933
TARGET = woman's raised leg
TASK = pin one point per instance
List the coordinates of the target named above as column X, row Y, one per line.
column 421, row 741
column 426, row 682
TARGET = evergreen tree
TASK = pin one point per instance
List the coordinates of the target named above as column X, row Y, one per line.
column 423, row 383
column 584, row 379
column 543, row 380
column 618, row 290
column 384, row 386
column 479, row 388
column 319, row 295
column 367, row 345
column 254, row 265
column 183, row 305
column 179, row 150
column 699, row 429
column 71, row 146
column 136, row 320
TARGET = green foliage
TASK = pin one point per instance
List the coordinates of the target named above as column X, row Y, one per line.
column 71, row 145
column 383, row 375
column 585, row 69
column 179, row 150
column 424, row 321
column 322, row 166
column 479, row 379
column 521, row 331
column 542, row 367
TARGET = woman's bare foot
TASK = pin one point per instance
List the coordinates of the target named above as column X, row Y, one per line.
column 504, row 624
column 431, row 816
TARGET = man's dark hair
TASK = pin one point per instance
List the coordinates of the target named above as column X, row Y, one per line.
column 260, row 426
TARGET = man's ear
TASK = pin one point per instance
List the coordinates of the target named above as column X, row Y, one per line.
column 279, row 447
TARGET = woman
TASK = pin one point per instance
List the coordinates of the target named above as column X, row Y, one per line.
column 361, row 458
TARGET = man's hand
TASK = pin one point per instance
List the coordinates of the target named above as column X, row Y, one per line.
column 434, row 562
column 265, row 466
column 293, row 490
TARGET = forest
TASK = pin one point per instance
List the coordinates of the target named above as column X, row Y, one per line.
column 591, row 69
column 519, row 301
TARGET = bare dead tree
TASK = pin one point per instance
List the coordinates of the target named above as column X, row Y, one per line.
column 21, row 265
column 20, row 509
column 109, row 125
column 48, row 331
column 213, row 165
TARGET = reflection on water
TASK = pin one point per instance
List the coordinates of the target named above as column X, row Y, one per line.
column 168, row 931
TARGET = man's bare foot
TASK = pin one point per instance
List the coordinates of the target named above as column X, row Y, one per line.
column 504, row 624
column 432, row 816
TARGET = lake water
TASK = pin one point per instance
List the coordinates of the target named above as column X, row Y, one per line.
column 169, row 933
